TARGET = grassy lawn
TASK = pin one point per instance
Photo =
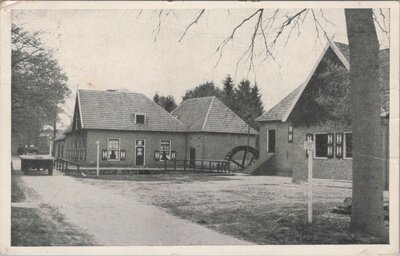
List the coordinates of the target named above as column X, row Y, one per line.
column 277, row 224
column 263, row 210
column 41, row 225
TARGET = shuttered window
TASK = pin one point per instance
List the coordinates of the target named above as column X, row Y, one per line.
column 348, row 145
column 321, row 145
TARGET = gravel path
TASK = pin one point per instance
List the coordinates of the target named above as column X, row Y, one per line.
column 116, row 219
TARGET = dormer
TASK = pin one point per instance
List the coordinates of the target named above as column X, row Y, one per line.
column 139, row 118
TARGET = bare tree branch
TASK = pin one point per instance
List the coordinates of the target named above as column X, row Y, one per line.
column 191, row 24
column 326, row 20
column 157, row 30
column 381, row 26
column 221, row 46
column 140, row 13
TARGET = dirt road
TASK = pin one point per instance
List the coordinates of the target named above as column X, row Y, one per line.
column 118, row 219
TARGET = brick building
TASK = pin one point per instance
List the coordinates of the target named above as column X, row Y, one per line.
column 213, row 129
column 131, row 129
column 282, row 139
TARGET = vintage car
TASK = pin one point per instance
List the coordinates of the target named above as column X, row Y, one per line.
column 37, row 162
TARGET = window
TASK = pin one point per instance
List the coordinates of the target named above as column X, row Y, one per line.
column 165, row 148
column 323, row 145
column 271, row 141
column 113, row 149
column 140, row 118
column 348, row 145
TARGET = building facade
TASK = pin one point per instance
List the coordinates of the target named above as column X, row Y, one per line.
column 283, row 132
column 213, row 129
column 133, row 131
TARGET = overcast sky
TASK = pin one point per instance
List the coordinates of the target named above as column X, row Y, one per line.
column 118, row 49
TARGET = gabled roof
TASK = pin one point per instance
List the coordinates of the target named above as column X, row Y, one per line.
column 209, row 114
column 282, row 110
column 112, row 110
column 279, row 111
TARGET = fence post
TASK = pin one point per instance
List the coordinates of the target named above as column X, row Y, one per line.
column 174, row 164
column 202, row 167
column 210, row 166
column 98, row 158
column 184, row 165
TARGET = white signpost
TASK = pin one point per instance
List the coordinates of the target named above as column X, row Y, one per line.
column 98, row 158
column 309, row 146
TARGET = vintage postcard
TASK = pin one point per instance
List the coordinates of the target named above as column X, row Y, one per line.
column 199, row 128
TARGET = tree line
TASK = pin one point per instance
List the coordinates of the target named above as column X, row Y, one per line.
column 38, row 86
column 244, row 98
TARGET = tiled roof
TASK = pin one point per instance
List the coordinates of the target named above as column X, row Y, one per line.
column 209, row 114
column 112, row 110
column 280, row 110
column 192, row 112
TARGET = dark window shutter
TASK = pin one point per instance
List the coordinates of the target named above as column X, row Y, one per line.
column 339, row 145
column 309, row 137
column 104, row 155
column 330, row 139
column 122, row 155
column 157, row 155
column 339, row 139
column 339, row 151
column 290, row 134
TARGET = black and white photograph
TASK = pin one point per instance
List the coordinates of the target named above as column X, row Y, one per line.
column 177, row 125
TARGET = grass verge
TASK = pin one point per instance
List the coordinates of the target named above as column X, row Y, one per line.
column 277, row 224
column 17, row 195
column 29, row 228
column 41, row 225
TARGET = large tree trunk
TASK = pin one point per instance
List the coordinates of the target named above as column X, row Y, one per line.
column 367, row 209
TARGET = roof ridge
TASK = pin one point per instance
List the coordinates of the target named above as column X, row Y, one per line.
column 174, row 117
column 208, row 113
column 115, row 92
column 178, row 107
column 198, row 98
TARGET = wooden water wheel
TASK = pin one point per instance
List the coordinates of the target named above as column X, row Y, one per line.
column 242, row 157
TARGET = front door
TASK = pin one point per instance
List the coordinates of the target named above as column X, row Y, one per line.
column 271, row 141
column 139, row 152
column 192, row 157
